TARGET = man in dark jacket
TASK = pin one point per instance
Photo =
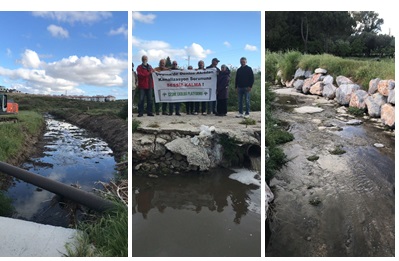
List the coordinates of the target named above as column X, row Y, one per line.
column 212, row 104
column 243, row 85
column 175, row 105
column 145, row 86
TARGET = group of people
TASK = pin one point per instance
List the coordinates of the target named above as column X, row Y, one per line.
column 142, row 80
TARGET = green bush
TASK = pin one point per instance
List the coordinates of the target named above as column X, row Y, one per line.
column 272, row 60
column 360, row 70
column 289, row 64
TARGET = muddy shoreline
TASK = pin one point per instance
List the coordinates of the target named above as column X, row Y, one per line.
column 335, row 204
column 111, row 129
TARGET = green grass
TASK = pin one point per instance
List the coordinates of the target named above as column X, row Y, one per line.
column 248, row 121
column 356, row 111
column 360, row 70
column 41, row 103
column 135, row 125
column 13, row 135
column 106, row 236
column 275, row 135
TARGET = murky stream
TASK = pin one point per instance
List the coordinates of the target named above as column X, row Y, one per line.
column 211, row 214
column 337, row 205
column 70, row 155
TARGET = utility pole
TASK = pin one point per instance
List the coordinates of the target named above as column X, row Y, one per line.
column 188, row 59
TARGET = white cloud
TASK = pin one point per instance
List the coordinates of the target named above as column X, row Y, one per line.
column 227, row 44
column 197, row 51
column 156, row 50
column 73, row 17
column 137, row 16
column 121, row 30
column 251, row 48
column 89, row 70
column 153, row 44
column 37, row 81
column 65, row 75
column 58, row 31
column 30, row 59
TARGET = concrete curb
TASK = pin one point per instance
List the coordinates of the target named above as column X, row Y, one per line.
column 19, row 238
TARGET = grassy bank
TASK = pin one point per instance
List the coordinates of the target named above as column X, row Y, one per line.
column 106, row 236
column 13, row 141
column 360, row 71
column 14, row 135
column 275, row 135
column 41, row 103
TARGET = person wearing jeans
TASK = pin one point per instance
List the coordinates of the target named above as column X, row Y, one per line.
column 244, row 81
column 145, row 86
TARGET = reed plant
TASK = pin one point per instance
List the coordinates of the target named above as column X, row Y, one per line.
column 104, row 236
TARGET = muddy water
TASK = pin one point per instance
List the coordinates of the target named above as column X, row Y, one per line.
column 212, row 214
column 70, row 155
column 338, row 205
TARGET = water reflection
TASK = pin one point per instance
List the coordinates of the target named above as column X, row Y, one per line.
column 225, row 204
column 71, row 156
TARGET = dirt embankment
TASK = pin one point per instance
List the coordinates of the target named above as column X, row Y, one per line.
column 29, row 147
column 111, row 129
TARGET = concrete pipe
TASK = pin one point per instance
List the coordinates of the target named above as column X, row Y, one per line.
column 82, row 197
column 253, row 151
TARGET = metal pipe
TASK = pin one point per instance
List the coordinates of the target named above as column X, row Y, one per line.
column 82, row 197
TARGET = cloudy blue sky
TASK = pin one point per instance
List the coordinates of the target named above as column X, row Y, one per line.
column 184, row 35
column 73, row 53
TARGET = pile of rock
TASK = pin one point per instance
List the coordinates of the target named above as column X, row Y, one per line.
column 378, row 101
column 172, row 153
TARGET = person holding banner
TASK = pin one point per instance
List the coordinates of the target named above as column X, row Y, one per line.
column 222, row 90
column 212, row 104
column 174, row 104
column 161, row 67
column 243, row 85
column 145, row 85
column 190, row 104
column 201, row 66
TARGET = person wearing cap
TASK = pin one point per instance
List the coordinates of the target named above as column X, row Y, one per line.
column 176, row 105
column 145, row 85
column 212, row 104
column 244, row 81
column 190, row 104
column 222, row 90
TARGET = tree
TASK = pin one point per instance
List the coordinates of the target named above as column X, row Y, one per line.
column 367, row 21
column 168, row 62
column 306, row 31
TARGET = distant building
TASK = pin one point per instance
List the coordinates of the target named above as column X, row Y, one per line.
column 97, row 98
column 110, row 98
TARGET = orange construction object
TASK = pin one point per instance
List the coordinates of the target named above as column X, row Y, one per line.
column 12, row 107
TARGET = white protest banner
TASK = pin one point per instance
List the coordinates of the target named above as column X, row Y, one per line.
column 185, row 85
